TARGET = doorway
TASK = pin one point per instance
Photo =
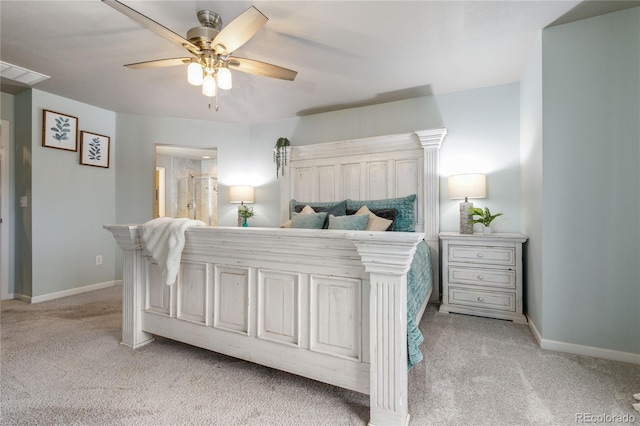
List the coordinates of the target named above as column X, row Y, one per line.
column 186, row 183
column 159, row 204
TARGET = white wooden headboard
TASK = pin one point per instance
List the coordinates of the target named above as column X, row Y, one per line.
column 373, row 168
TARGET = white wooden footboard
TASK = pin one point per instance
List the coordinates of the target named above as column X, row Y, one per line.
column 325, row 304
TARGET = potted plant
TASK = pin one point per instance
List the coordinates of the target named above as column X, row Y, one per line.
column 280, row 155
column 484, row 217
column 245, row 213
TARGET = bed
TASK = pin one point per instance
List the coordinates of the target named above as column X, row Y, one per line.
column 328, row 304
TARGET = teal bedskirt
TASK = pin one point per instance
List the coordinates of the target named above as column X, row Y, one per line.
column 419, row 282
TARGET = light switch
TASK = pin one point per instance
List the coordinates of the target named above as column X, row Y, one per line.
column 23, row 201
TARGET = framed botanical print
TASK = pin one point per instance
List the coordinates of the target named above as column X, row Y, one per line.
column 59, row 130
column 94, row 149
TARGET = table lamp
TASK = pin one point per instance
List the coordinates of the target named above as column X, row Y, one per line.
column 241, row 194
column 465, row 186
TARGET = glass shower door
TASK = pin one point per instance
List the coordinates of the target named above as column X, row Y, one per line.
column 197, row 198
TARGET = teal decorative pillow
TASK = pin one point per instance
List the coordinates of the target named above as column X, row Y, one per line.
column 309, row 221
column 336, row 208
column 352, row 223
column 316, row 205
column 405, row 220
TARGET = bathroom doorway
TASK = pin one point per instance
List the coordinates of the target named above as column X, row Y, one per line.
column 186, row 183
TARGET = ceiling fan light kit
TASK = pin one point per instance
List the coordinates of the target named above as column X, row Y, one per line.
column 211, row 47
column 209, row 86
column 194, row 74
column 224, row 78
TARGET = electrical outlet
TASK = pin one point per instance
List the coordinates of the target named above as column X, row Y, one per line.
column 99, row 259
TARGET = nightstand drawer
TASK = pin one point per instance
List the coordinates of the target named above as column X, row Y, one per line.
column 482, row 254
column 504, row 278
column 482, row 299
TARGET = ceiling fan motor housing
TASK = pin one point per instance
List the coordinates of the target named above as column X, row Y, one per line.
column 211, row 26
column 210, row 19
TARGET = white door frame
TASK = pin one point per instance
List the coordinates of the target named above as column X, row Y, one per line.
column 6, row 204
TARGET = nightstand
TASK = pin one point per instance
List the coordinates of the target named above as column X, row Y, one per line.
column 482, row 275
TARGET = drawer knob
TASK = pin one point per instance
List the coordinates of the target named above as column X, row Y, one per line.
column 481, row 277
column 479, row 254
column 480, row 299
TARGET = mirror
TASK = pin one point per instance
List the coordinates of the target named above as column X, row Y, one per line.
column 186, row 183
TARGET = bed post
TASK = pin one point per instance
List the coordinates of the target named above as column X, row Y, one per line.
column 128, row 239
column 431, row 141
column 387, row 266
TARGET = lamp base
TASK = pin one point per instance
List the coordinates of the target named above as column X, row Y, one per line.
column 466, row 227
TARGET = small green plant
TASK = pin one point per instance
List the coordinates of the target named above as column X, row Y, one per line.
column 246, row 212
column 485, row 216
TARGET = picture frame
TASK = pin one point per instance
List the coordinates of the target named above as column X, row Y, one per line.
column 59, row 131
column 95, row 149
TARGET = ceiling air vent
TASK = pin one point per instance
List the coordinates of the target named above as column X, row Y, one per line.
column 21, row 75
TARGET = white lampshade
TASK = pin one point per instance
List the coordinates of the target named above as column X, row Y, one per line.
column 241, row 194
column 224, row 78
column 209, row 86
column 471, row 185
column 194, row 74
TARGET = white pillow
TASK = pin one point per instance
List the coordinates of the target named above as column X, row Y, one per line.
column 306, row 210
column 375, row 223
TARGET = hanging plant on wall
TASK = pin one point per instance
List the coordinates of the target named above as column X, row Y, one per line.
column 280, row 155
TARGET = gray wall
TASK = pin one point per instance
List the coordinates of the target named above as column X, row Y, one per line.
column 531, row 184
column 23, row 187
column 7, row 112
column 60, row 233
column 591, row 168
column 482, row 125
column 482, row 136
column 581, row 162
column 138, row 135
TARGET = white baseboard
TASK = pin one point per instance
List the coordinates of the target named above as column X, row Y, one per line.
column 65, row 293
column 534, row 330
column 572, row 348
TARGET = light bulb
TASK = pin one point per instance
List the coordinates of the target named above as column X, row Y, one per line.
column 194, row 74
column 224, row 78
column 209, row 86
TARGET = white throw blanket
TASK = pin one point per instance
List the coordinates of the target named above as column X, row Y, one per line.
column 164, row 238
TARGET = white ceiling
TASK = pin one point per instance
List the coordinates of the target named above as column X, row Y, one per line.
column 346, row 53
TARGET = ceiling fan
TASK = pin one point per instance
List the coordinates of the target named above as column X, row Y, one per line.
column 211, row 47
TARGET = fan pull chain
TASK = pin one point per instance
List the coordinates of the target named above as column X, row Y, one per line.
column 217, row 89
column 216, row 106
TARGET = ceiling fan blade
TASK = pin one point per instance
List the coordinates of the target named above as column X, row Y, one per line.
column 159, row 63
column 261, row 68
column 152, row 25
column 238, row 31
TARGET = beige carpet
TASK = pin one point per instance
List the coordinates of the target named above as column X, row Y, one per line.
column 62, row 364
